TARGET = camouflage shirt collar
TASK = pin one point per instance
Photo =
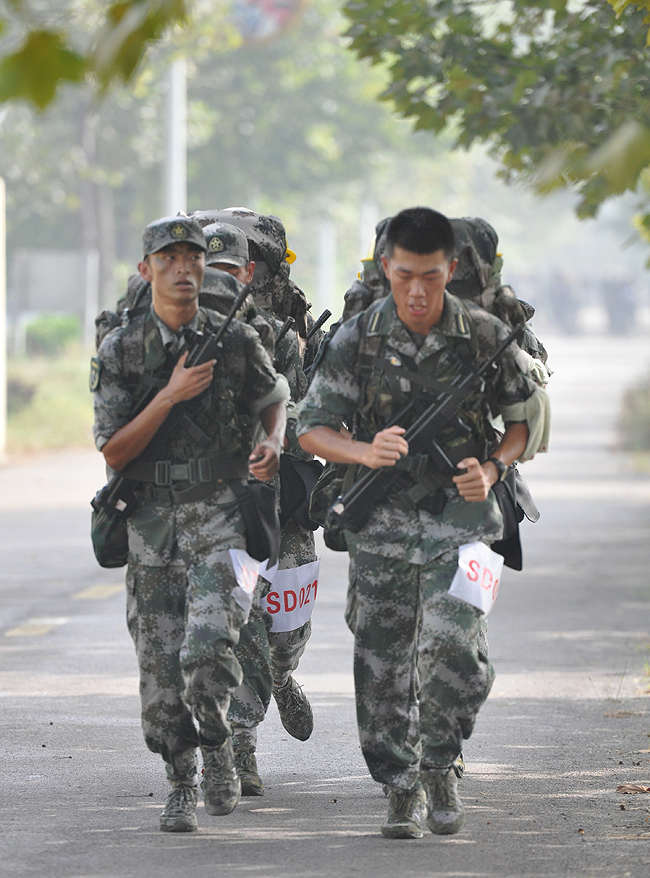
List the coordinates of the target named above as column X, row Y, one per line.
column 171, row 339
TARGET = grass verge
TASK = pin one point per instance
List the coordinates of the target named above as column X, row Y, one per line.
column 49, row 403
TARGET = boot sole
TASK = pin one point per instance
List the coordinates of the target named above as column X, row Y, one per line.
column 179, row 826
column 249, row 789
column 446, row 828
column 220, row 810
column 405, row 830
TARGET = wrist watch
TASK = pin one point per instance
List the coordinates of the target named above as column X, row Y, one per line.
column 502, row 468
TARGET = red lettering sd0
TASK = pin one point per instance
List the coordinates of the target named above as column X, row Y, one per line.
column 272, row 603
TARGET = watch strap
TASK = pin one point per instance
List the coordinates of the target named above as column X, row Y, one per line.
column 502, row 468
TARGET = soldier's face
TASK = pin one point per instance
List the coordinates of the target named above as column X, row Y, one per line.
column 418, row 281
column 243, row 273
column 176, row 273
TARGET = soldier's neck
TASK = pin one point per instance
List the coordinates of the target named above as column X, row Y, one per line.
column 175, row 315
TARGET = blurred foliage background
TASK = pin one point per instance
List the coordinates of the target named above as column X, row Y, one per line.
column 538, row 93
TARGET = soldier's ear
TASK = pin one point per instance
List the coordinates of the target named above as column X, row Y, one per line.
column 452, row 269
column 145, row 269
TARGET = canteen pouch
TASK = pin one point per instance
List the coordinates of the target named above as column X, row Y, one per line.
column 108, row 532
column 259, row 511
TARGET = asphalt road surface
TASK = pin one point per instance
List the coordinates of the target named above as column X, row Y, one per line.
column 566, row 723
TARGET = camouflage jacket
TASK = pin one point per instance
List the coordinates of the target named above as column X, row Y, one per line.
column 340, row 392
column 132, row 358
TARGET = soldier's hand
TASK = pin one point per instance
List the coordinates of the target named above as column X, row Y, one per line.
column 188, row 383
column 386, row 448
column 264, row 460
column 474, row 485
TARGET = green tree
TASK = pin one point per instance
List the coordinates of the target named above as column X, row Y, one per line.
column 74, row 41
column 286, row 127
column 560, row 91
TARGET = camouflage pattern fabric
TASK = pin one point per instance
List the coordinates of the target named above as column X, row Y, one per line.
column 243, row 374
column 270, row 657
column 421, row 667
column 172, row 230
column 267, row 240
column 397, row 528
column 183, row 619
column 181, row 612
column 420, row 676
column 266, row 656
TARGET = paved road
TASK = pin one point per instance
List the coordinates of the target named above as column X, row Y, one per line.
column 567, row 720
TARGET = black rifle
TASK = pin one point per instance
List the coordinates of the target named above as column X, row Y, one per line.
column 119, row 496
column 317, row 325
column 353, row 509
column 288, row 324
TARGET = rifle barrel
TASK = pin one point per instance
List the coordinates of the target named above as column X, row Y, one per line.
column 317, row 325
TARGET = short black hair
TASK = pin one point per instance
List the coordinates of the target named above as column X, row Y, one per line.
column 420, row 230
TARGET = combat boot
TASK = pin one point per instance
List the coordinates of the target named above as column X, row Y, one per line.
column 246, row 765
column 221, row 785
column 179, row 813
column 407, row 810
column 295, row 710
column 445, row 812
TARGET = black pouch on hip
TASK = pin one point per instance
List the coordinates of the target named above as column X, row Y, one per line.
column 259, row 511
column 108, row 533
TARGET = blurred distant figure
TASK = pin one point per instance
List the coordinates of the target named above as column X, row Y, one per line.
column 620, row 301
column 564, row 303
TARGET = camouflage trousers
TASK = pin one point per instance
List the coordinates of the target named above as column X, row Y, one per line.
column 184, row 619
column 421, row 670
column 268, row 657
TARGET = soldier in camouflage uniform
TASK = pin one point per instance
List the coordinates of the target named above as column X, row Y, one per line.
column 185, row 603
column 477, row 277
column 267, row 657
column 404, row 558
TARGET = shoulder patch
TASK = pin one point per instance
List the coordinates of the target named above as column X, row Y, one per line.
column 95, row 373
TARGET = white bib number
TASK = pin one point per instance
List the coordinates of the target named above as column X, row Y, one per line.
column 477, row 579
column 290, row 601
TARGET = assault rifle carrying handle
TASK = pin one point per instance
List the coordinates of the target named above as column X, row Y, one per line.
column 353, row 509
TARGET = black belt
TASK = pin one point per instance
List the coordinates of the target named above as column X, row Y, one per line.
column 196, row 471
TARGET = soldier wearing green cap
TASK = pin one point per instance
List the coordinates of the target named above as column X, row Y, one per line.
column 411, row 635
column 268, row 657
column 185, row 601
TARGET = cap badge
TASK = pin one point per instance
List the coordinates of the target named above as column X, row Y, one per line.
column 216, row 245
column 178, row 231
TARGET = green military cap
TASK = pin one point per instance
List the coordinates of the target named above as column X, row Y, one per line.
column 226, row 243
column 172, row 230
column 265, row 232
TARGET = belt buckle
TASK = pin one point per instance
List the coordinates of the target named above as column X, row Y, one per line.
column 193, row 471
column 179, row 472
column 203, row 468
column 163, row 473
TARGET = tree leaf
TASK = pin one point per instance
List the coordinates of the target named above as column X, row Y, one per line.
column 130, row 26
column 35, row 71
